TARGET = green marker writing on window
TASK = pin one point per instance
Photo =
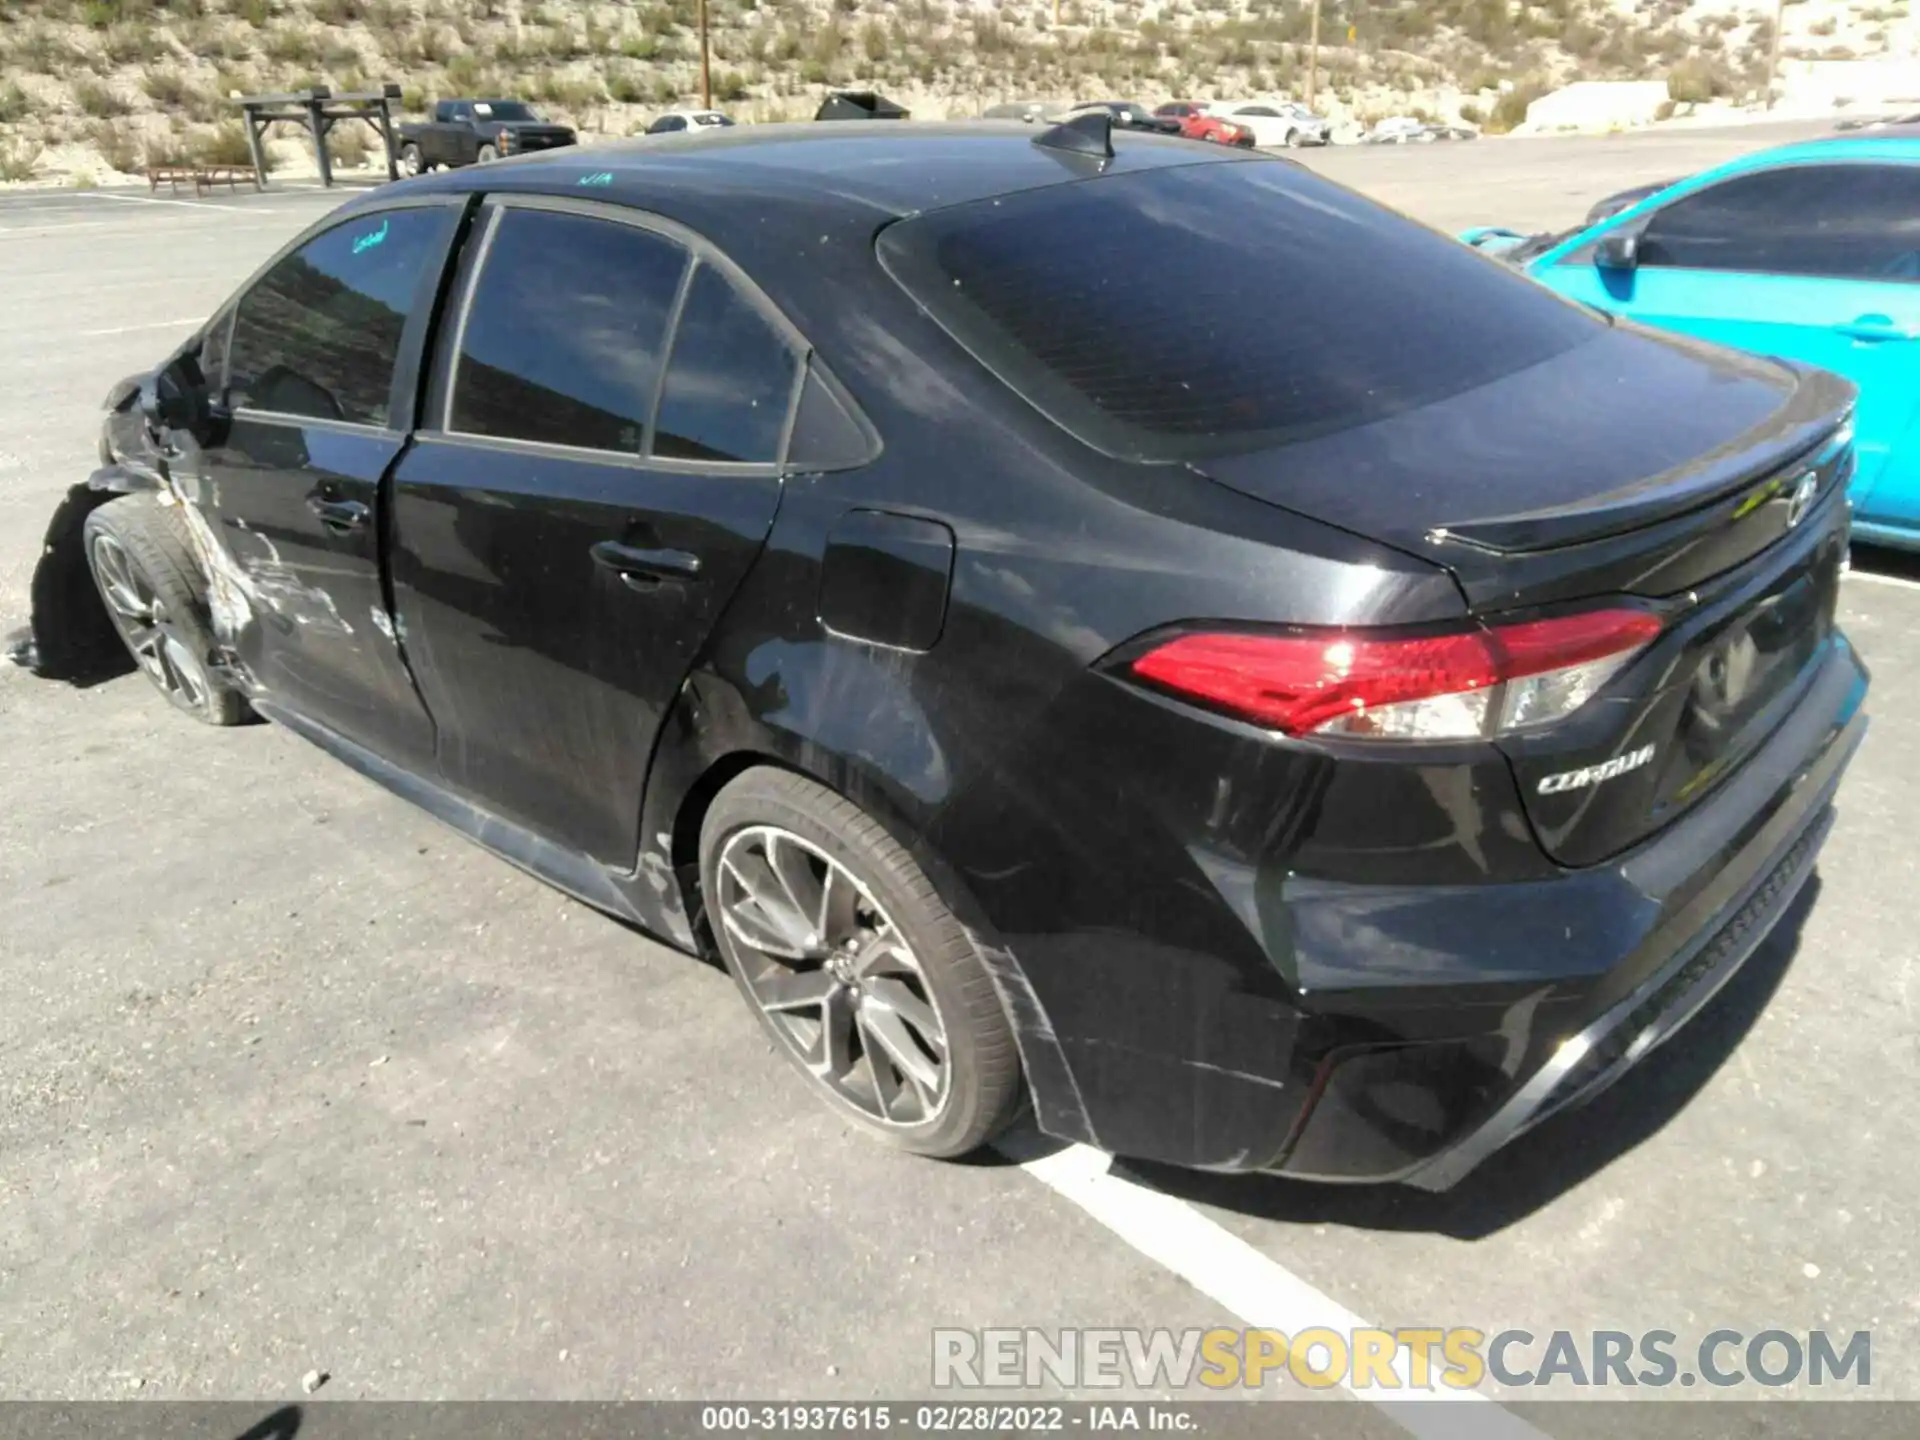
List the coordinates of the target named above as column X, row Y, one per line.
column 601, row 177
column 372, row 238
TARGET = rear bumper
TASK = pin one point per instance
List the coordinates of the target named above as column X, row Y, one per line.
column 1217, row 979
column 1719, row 879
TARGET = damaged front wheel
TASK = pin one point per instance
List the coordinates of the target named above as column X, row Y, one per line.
column 145, row 574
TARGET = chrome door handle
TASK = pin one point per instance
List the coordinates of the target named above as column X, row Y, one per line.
column 642, row 569
column 340, row 516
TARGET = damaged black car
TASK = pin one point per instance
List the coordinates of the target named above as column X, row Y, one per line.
column 1330, row 760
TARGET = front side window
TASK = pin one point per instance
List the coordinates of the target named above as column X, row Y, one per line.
column 1856, row 222
column 730, row 381
column 320, row 333
column 213, row 351
column 564, row 331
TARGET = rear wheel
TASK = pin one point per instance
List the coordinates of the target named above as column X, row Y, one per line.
column 145, row 574
column 487, row 155
column 862, row 976
column 410, row 160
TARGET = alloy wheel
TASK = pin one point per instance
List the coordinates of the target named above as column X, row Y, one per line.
column 832, row 976
column 143, row 622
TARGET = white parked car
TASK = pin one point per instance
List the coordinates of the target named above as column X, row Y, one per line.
column 675, row 121
column 1275, row 122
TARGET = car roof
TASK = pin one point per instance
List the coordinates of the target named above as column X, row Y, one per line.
column 880, row 165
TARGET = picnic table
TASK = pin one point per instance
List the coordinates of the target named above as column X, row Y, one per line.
column 202, row 177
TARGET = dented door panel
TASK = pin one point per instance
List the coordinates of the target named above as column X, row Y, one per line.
column 292, row 510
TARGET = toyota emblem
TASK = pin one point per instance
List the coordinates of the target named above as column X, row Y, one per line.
column 1801, row 501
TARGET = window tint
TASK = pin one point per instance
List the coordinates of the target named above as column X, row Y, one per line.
column 213, row 351
column 564, row 332
column 826, row 435
column 730, row 381
column 319, row 334
column 1296, row 308
column 1855, row 221
column 1263, row 112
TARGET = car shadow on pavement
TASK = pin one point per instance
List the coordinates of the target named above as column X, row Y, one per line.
column 1879, row 560
column 282, row 1424
column 1546, row 1162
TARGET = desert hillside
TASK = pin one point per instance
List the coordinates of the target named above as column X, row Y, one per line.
column 96, row 86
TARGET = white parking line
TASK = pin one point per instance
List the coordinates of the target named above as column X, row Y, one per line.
column 156, row 200
column 1260, row 1292
column 150, row 325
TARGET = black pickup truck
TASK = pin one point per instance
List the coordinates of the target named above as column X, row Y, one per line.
column 469, row 132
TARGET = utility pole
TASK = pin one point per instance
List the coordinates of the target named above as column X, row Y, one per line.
column 1773, row 50
column 706, row 68
column 1313, row 53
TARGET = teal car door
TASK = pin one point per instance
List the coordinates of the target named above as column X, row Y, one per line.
column 1814, row 262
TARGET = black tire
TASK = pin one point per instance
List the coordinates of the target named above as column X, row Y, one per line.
column 983, row 1091
column 155, row 602
column 411, row 161
column 487, row 154
column 1295, row 139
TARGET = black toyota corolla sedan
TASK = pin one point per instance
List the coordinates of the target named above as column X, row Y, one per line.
column 1317, row 707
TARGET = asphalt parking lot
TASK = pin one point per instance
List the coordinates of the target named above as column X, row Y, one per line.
column 293, row 1080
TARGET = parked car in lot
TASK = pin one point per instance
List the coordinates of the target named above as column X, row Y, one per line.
column 1275, row 124
column 1029, row 111
column 1810, row 252
column 1407, row 130
column 1130, row 115
column 1330, row 765
column 859, row 105
column 469, row 132
column 1198, row 123
column 675, row 122
column 1858, row 123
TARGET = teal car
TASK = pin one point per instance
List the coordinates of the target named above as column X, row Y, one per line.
column 1810, row 252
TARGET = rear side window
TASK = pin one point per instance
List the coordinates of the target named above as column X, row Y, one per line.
column 319, row 334
column 730, row 383
column 1846, row 221
column 564, row 331
column 1219, row 308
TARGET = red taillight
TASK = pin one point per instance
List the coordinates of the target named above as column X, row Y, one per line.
column 1431, row 687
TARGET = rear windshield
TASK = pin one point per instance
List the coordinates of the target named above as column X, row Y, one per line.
column 1220, row 308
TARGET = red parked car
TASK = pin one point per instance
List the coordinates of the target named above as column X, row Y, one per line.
column 1197, row 124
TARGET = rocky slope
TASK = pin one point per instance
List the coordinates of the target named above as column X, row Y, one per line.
column 96, row 86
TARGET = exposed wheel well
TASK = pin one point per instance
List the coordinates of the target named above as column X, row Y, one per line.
column 686, row 835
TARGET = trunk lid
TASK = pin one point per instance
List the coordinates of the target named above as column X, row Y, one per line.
column 1706, row 485
column 1608, row 437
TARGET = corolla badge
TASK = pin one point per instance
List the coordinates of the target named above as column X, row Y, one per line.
column 1801, row 501
column 1594, row 774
